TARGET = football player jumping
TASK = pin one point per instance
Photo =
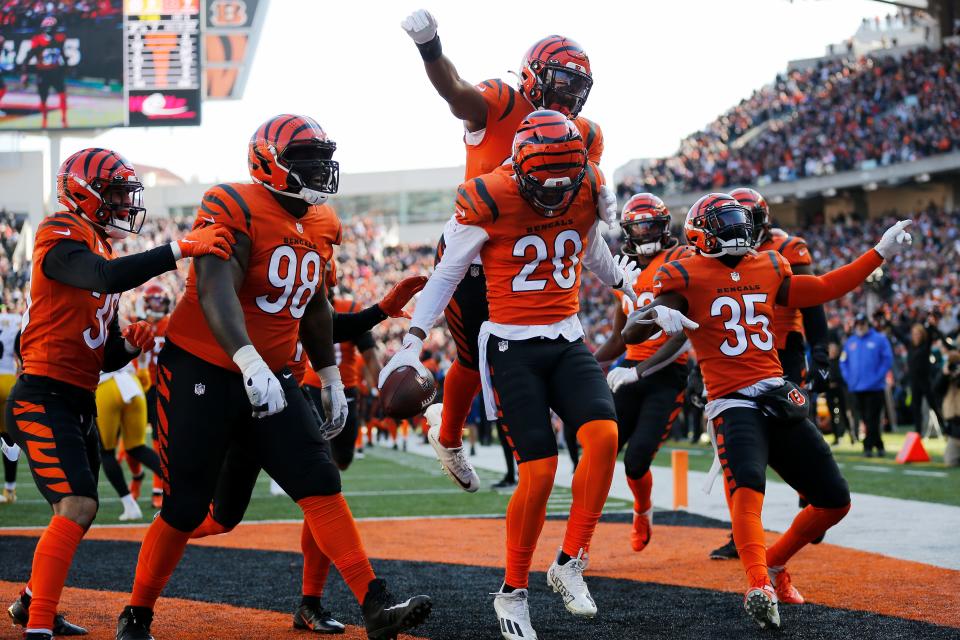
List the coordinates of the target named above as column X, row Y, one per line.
column 646, row 407
column 554, row 74
column 723, row 298
column 223, row 373
column 70, row 334
column 535, row 225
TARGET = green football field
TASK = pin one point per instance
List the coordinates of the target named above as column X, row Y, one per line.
column 388, row 483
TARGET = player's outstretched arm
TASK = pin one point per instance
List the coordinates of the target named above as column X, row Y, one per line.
column 350, row 326
column 614, row 346
column 75, row 264
column 809, row 290
column 618, row 273
column 464, row 99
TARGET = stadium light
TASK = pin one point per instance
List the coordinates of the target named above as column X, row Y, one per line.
column 870, row 186
column 829, row 193
column 922, row 178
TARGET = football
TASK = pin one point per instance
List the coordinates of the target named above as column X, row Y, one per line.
column 405, row 393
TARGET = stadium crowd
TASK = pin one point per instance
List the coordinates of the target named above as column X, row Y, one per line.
column 28, row 14
column 838, row 115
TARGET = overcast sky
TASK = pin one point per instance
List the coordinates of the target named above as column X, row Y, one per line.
column 662, row 69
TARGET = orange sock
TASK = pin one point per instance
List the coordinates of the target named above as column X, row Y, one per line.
column 51, row 563
column 209, row 527
column 336, row 534
column 591, row 483
column 316, row 565
column 810, row 524
column 160, row 553
column 526, row 514
column 460, row 387
column 641, row 488
column 745, row 507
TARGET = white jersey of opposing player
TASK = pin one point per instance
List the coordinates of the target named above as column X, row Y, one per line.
column 9, row 325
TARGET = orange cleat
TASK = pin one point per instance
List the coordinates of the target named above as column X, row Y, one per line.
column 642, row 530
column 786, row 592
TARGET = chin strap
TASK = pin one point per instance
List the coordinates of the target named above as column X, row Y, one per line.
column 307, row 195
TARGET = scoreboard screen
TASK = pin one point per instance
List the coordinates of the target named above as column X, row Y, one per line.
column 103, row 64
column 163, row 76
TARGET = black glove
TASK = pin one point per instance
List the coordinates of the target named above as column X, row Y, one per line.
column 819, row 376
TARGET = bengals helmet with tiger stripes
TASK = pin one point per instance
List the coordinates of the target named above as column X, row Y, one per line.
column 718, row 225
column 156, row 302
column 555, row 74
column 645, row 224
column 102, row 186
column 550, row 161
column 292, row 155
column 759, row 210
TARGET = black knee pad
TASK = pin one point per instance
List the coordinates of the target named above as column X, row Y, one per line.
column 751, row 476
column 184, row 514
column 636, row 461
column 342, row 457
column 321, row 480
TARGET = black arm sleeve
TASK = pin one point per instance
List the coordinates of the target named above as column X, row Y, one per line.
column 365, row 342
column 814, row 324
column 74, row 264
column 348, row 327
column 115, row 354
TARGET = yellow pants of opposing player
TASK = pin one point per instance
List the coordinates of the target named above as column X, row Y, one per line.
column 7, row 380
column 116, row 418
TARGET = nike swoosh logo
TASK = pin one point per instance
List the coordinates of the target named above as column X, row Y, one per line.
column 287, row 375
column 207, row 219
column 824, row 372
column 63, row 233
column 399, row 606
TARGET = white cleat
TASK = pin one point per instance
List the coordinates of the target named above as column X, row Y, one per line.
column 131, row 510
column 513, row 615
column 453, row 461
column 760, row 604
column 276, row 489
column 567, row 580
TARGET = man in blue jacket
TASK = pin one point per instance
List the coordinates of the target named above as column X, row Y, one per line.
column 865, row 363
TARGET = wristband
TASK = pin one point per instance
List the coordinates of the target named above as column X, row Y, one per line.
column 329, row 375
column 175, row 248
column 246, row 356
column 431, row 51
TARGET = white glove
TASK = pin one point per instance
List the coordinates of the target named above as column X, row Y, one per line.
column 607, row 205
column 262, row 387
column 894, row 239
column 420, row 25
column 670, row 320
column 629, row 272
column 621, row 376
column 334, row 402
column 408, row 356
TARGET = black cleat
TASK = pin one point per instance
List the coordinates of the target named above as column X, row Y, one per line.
column 310, row 616
column 134, row 624
column 385, row 618
column 508, row 482
column 726, row 552
column 37, row 635
column 19, row 612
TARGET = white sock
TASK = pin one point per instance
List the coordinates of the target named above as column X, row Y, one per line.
column 129, row 504
column 10, row 486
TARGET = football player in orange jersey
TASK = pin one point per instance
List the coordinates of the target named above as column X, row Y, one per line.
column 70, row 333
column 555, row 74
column 728, row 293
column 535, row 224
column 645, row 407
column 790, row 326
column 223, row 372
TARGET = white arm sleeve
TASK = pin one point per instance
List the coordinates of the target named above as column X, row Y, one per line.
column 463, row 243
column 598, row 258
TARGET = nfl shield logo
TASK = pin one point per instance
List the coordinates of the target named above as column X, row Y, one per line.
column 199, row 388
column 299, row 228
column 474, row 271
column 504, row 345
column 735, row 276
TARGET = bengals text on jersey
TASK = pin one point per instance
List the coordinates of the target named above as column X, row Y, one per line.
column 65, row 328
column 490, row 147
column 532, row 263
column 287, row 265
column 734, row 308
column 794, row 249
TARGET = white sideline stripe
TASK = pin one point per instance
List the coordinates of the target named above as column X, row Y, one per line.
column 925, row 474
column 872, row 469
